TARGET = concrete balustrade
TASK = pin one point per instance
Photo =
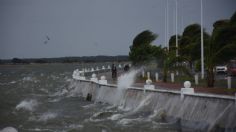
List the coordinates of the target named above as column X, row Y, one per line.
column 103, row 80
column 94, row 78
column 148, row 85
column 186, row 90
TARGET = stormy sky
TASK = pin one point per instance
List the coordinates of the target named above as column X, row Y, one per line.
column 57, row 28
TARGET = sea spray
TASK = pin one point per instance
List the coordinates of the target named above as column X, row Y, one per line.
column 28, row 105
column 124, row 82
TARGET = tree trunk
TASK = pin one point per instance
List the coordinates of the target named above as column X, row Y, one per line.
column 165, row 72
column 164, row 76
column 191, row 65
column 210, row 77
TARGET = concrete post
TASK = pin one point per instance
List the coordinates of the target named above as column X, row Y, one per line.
column 186, row 90
column 172, row 75
column 229, row 82
column 103, row 80
column 120, row 66
column 157, row 76
column 148, row 85
column 143, row 73
column 196, row 79
column 177, row 73
column 94, row 78
column 148, row 75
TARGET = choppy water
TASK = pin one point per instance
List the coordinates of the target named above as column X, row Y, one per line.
column 40, row 98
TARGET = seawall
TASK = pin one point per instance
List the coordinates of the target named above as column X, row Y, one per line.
column 203, row 112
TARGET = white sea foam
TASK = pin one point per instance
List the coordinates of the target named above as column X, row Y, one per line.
column 104, row 130
column 54, row 100
column 44, row 90
column 115, row 117
column 155, row 113
column 54, row 77
column 27, row 79
column 30, row 79
column 40, row 130
column 61, row 92
column 47, row 116
column 68, row 79
column 126, row 121
column 28, row 105
column 89, row 106
column 8, row 129
column 13, row 82
column 143, row 103
column 41, row 74
column 95, row 120
column 76, row 126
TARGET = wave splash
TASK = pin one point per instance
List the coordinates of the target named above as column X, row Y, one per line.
column 28, row 105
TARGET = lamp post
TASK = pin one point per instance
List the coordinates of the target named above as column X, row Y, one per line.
column 202, row 48
column 176, row 28
column 167, row 24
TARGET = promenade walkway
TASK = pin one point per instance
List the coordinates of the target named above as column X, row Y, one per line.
column 170, row 86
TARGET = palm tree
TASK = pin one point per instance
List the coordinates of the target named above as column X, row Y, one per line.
column 220, row 48
column 141, row 49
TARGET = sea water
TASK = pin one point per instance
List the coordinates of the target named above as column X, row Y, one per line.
column 45, row 98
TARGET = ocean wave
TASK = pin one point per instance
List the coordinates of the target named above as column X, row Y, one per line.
column 40, row 130
column 89, row 106
column 30, row 79
column 127, row 121
column 8, row 129
column 27, row 79
column 116, row 117
column 12, row 82
column 60, row 93
column 47, row 116
column 75, row 126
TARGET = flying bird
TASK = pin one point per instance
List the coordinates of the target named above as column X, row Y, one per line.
column 47, row 39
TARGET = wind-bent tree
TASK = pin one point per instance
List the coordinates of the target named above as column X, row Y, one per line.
column 141, row 50
column 190, row 43
column 172, row 42
column 221, row 47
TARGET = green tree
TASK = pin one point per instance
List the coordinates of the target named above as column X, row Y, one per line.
column 172, row 42
column 141, row 50
column 221, row 46
column 190, row 43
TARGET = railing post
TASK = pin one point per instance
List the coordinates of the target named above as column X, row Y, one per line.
column 157, row 76
column 229, row 82
column 172, row 75
column 196, row 79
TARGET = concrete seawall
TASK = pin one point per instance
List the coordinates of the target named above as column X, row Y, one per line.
column 204, row 112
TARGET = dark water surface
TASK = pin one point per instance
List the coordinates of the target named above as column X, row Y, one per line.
column 39, row 98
